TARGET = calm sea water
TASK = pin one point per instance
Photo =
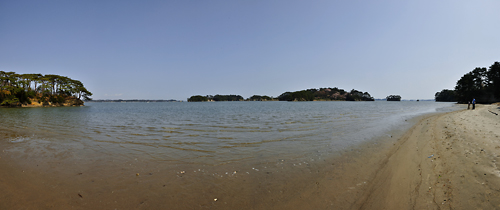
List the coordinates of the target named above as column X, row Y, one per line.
column 209, row 133
column 220, row 155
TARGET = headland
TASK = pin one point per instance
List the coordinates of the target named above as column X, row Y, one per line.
column 37, row 90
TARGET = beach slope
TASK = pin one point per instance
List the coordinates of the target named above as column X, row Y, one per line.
column 445, row 161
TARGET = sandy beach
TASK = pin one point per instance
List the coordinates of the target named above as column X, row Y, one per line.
column 445, row 161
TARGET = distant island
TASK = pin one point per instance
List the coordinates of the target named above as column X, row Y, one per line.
column 199, row 98
column 393, row 98
column 36, row 90
column 321, row 94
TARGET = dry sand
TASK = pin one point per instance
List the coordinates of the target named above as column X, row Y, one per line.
column 445, row 161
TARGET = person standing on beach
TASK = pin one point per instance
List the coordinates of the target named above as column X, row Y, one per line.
column 468, row 105
column 473, row 103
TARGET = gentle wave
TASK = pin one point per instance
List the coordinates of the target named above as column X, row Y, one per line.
column 227, row 131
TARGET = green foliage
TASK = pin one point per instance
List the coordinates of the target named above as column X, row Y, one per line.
column 481, row 83
column 328, row 94
column 10, row 102
column 493, row 76
column 56, row 99
column 25, row 86
column 286, row 96
column 322, row 94
column 226, row 98
column 197, row 98
column 355, row 95
column 303, row 95
column 393, row 98
column 465, row 88
column 13, row 95
column 446, row 96
column 260, row 98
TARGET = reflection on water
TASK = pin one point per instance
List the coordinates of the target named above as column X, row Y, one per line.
column 212, row 133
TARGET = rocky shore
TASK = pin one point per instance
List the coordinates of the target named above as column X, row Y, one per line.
column 68, row 102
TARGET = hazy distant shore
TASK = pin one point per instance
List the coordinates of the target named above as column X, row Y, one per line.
column 132, row 100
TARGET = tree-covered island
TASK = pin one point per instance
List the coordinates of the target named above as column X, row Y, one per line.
column 321, row 94
column 199, row 98
column 18, row 90
column 393, row 98
column 326, row 94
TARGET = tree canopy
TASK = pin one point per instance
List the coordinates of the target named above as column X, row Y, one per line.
column 330, row 94
column 446, row 96
column 259, row 98
column 226, row 98
column 326, row 94
column 393, row 98
column 483, row 84
column 199, row 98
column 17, row 89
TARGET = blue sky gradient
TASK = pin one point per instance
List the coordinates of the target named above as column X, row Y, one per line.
column 176, row 49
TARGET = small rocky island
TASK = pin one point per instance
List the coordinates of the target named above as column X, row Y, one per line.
column 37, row 90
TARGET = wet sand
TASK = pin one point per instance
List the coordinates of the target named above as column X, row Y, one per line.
column 445, row 161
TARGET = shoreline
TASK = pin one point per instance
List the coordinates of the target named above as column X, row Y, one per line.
column 388, row 173
column 35, row 102
column 446, row 161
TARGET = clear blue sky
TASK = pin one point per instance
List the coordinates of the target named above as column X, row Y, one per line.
column 175, row 49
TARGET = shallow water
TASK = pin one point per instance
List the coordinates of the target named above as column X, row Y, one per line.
column 245, row 155
column 213, row 133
